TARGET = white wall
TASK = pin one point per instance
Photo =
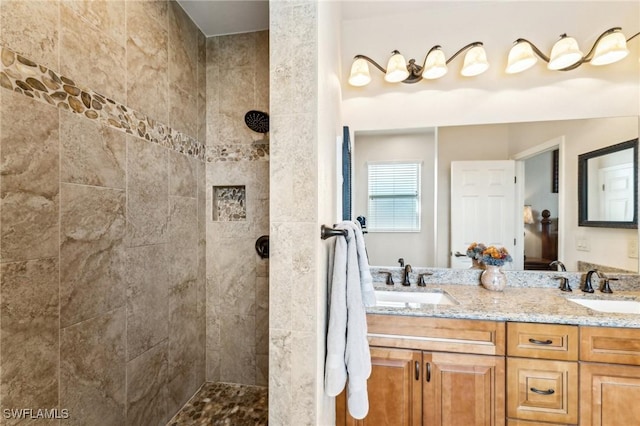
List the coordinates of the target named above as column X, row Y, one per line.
column 384, row 248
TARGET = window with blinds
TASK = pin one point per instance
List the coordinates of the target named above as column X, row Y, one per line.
column 394, row 196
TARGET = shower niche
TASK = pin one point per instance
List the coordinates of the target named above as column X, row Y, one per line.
column 229, row 203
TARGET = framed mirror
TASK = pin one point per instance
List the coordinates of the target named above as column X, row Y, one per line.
column 608, row 186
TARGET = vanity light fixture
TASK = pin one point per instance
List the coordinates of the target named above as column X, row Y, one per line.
column 434, row 66
column 609, row 47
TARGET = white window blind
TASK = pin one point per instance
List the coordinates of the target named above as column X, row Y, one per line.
column 394, row 196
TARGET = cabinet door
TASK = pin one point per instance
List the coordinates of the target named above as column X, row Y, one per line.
column 609, row 395
column 463, row 390
column 394, row 388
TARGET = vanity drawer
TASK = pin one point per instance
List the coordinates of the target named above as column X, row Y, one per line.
column 437, row 334
column 542, row 390
column 610, row 345
column 547, row 341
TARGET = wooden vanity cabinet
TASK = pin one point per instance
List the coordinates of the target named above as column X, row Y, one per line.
column 542, row 374
column 609, row 376
column 430, row 371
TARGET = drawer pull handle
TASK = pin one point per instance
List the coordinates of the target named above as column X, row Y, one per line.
column 543, row 392
column 428, row 372
column 417, row 370
column 541, row 342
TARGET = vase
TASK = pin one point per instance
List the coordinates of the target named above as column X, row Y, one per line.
column 493, row 278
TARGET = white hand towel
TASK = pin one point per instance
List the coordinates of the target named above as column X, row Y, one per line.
column 335, row 373
column 347, row 346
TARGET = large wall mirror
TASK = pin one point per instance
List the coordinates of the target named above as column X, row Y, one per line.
column 608, row 186
column 546, row 181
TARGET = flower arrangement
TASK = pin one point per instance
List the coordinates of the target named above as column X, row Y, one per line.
column 496, row 256
column 474, row 251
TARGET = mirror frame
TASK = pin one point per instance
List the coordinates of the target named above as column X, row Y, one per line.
column 583, row 186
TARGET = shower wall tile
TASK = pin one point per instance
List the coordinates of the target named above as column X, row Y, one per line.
column 148, row 58
column 294, row 169
column 183, row 113
column 147, row 193
column 237, row 348
column 202, row 87
column 147, row 388
column 147, row 298
column 281, row 393
column 303, row 377
column 184, row 351
column 29, row 189
column 106, row 71
column 261, row 78
column 92, row 252
column 183, row 174
column 105, row 16
column 29, row 335
column 31, row 28
column 183, row 49
column 103, row 219
column 91, row 154
column 93, row 370
column 201, row 280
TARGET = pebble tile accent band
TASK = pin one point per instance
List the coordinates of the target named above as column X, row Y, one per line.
column 24, row 76
column 257, row 151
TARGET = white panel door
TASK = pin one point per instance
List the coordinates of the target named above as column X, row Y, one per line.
column 483, row 209
column 616, row 184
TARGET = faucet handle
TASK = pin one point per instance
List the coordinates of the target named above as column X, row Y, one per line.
column 564, row 283
column 605, row 288
column 389, row 280
column 421, row 281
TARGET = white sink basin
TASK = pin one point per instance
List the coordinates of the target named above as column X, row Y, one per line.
column 403, row 299
column 614, row 306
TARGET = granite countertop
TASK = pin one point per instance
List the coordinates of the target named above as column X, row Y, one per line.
column 526, row 304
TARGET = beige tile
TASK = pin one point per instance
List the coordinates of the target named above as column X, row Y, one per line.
column 93, row 370
column 147, row 388
column 213, row 365
column 183, row 50
column 183, row 240
column 29, row 335
column 262, row 316
column 183, row 114
column 182, row 176
column 147, row 298
column 184, row 349
column 237, row 349
column 92, row 253
column 91, row 154
column 147, row 193
column 236, row 275
column 31, row 28
column 261, row 75
column 236, row 50
column 281, row 394
column 91, row 59
column 106, row 16
column 303, row 378
column 202, row 88
column 262, row 370
column 29, row 187
column 147, row 59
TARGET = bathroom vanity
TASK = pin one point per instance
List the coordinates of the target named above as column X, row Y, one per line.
column 526, row 356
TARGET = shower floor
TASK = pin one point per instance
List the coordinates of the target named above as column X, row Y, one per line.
column 225, row 404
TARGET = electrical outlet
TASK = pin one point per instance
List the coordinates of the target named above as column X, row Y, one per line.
column 582, row 244
column 632, row 248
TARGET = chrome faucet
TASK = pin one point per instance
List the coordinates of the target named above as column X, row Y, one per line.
column 564, row 281
column 405, row 280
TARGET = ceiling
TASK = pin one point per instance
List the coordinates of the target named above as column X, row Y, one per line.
column 219, row 17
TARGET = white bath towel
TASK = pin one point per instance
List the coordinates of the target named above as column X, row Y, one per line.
column 348, row 353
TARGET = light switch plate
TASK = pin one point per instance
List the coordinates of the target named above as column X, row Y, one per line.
column 582, row 244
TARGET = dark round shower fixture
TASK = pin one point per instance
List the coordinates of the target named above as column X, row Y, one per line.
column 257, row 121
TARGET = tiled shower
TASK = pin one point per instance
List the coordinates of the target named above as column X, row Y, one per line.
column 119, row 292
